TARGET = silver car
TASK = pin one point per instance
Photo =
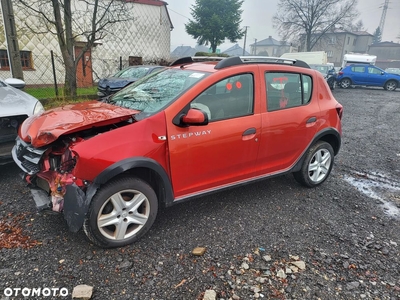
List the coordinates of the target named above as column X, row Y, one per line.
column 15, row 107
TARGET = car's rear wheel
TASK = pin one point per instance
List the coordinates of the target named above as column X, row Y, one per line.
column 345, row 83
column 316, row 166
column 121, row 212
column 391, row 85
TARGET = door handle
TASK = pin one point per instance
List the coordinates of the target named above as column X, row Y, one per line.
column 249, row 131
column 311, row 120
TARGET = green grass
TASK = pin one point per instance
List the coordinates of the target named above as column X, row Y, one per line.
column 49, row 92
column 47, row 96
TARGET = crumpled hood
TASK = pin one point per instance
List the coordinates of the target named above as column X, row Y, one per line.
column 14, row 102
column 43, row 129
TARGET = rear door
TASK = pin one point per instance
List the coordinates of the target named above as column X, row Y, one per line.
column 223, row 152
column 289, row 121
column 359, row 75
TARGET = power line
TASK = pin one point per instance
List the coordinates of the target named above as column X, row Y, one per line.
column 178, row 13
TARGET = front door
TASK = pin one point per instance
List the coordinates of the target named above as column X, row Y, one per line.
column 375, row 76
column 84, row 72
column 223, row 152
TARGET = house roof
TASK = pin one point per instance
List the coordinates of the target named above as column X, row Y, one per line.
column 361, row 33
column 201, row 48
column 385, row 44
column 235, row 50
column 270, row 41
column 343, row 31
column 149, row 2
column 183, row 51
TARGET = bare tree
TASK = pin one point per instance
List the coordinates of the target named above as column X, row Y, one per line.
column 312, row 19
column 71, row 21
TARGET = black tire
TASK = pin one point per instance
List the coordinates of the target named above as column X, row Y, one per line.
column 332, row 83
column 391, row 85
column 345, row 83
column 316, row 166
column 121, row 212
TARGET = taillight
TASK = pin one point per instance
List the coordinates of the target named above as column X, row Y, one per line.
column 340, row 73
column 339, row 110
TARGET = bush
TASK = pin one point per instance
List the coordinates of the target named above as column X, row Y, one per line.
column 211, row 54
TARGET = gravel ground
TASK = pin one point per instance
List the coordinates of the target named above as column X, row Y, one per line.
column 272, row 239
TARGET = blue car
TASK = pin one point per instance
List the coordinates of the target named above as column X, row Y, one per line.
column 367, row 75
column 111, row 85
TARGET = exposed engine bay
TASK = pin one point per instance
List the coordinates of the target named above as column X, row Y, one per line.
column 51, row 168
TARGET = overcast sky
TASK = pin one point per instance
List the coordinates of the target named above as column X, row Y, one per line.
column 257, row 14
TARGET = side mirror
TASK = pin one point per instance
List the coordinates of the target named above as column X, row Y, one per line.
column 14, row 82
column 195, row 117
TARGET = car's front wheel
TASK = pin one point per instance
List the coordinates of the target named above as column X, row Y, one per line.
column 332, row 83
column 121, row 212
column 316, row 166
column 391, row 85
column 345, row 83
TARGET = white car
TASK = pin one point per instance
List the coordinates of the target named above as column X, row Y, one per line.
column 15, row 107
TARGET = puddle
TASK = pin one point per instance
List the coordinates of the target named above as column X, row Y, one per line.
column 378, row 186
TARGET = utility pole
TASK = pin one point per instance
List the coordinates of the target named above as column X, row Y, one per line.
column 383, row 16
column 245, row 36
column 14, row 56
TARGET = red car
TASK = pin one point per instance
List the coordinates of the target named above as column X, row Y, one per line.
column 189, row 130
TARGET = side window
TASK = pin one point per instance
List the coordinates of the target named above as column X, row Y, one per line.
column 285, row 90
column 358, row 69
column 373, row 70
column 231, row 97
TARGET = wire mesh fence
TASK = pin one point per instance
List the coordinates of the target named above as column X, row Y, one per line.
column 142, row 39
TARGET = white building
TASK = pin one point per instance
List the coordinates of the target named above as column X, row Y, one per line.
column 146, row 36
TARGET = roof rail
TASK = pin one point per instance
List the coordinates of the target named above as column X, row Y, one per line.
column 239, row 60
column 191, row 59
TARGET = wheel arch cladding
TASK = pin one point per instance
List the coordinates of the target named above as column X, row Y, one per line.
column 77, row 202
column 329, row 135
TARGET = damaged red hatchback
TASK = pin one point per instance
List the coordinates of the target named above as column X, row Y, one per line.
column 185, row 131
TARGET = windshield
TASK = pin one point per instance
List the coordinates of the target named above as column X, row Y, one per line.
column 321, row 69
column 135, row 72
column 157, row 90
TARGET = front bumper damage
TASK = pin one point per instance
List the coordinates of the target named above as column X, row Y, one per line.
column 50, row 189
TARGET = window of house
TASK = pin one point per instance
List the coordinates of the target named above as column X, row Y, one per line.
column 26, row 60
column 332, row 40
column 231, row 97
column 286, row 90
column 329, row 53
column 348, row 40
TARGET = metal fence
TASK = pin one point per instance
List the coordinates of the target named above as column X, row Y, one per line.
column 145, row 37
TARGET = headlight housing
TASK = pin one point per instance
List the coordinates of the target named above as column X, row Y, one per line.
column 38, row 108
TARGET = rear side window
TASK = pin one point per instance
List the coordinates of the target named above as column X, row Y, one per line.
column 358, row 69
column 286, row 90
